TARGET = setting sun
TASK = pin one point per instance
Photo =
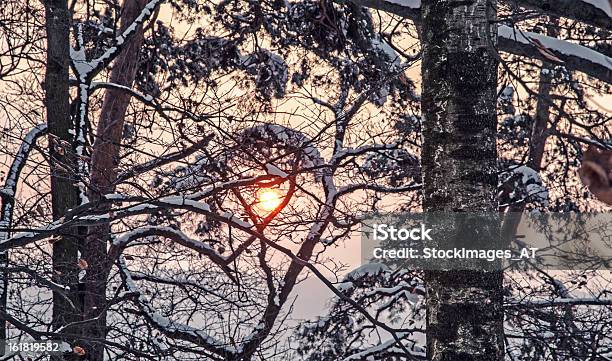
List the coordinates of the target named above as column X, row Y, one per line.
column 268, row 199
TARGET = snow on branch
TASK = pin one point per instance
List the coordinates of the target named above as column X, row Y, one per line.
column 23, row 238
column 87, row 70
column 603, row 5
column 7, row 192
column 81, row 126
column 405, row 8
column 573, row 55
column 521, row 184
column 141, row 207
column 555, row 302
column 126, row 238
column 352, row 152
column 108, row 85
column 176, row 235
column 60, row 289
column 286, row 136
column 274, row 170
column 20, row 158
column 160, row 161
column 389, row 346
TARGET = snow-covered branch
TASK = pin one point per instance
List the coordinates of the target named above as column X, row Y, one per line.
column 573, row 55
column 20, row 158
column 177, row 236
column 87, row 70
column 405, row 8
column 140, row 207
column 7, row 192
column 389, row 346
column 555, row 302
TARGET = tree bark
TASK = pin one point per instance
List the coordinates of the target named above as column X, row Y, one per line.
column 542, row 113
column 64, row 192
column 459, row 72
column 104, row 163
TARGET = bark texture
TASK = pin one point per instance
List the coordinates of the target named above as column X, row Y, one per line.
column 459, row 71
column 64, row 192
column 104, row 163
column 542, row 115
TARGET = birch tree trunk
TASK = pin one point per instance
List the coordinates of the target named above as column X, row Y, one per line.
column 64, row 192
column 459, row 74
column 104, row 163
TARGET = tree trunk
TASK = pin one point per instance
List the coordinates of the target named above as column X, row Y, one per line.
column 542, row 114
column 64, row 192
column 459, row 72
column 104, row 163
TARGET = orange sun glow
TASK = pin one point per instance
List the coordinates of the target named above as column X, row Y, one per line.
column 268, row 199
